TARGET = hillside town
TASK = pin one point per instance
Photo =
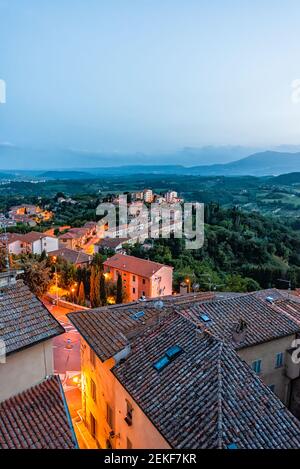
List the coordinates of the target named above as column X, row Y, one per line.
column 95, row 339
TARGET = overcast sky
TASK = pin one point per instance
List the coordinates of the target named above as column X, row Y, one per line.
column 149, row 75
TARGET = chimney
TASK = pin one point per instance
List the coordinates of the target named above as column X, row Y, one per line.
column 122, row 354
column 239, row 331
column 200, row 332
column 9, row 277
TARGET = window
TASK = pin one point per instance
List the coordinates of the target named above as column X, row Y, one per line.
column 93, row 425
column 143, row 293
column 129, row 410
column 161, row 363
column 256, row 366
column 92, row 357
column 272, row 387
column 144, row 281
column 110, row 416
column 133, row 290
column 173, row 352
column 204, row 317
column 128, row 443
column 93, row 391
column 133, row 278
column 279, row 360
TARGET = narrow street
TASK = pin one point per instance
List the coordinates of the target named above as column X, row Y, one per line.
column 66, row 356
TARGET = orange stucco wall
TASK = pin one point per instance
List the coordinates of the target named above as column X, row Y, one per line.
column 160, row 284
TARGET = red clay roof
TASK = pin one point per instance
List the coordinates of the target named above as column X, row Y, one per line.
column 71, row 235
column 26, row 238
column 34, row 236
column 70, row 255
column 134, row 265
column 37, row 419
column 111, row 243
column 207, row 397
column 264, row 322
column 24, row 320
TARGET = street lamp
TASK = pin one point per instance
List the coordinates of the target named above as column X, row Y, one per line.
column 187, row 281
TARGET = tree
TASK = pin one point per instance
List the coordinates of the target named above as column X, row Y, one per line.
column 119, row 295
column 94, row 288
column 36, row 276
column 103, row 298
column 3, row 260
column 43, row 256
column 81, row 295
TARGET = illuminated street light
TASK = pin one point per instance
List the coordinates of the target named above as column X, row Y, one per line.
column 187, row 281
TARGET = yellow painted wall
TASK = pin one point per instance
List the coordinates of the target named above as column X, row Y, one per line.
column 142, row 433
column 25, row 369
column 266, row 352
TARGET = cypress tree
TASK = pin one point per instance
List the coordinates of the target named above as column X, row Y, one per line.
column 92, row 287
column 97, row 299
column 119, row 295
column 81, row 295
column 103, row 297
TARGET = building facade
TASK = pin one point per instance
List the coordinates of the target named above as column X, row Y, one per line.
column 140, row 277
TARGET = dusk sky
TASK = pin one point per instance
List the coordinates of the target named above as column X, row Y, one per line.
column 141, row 75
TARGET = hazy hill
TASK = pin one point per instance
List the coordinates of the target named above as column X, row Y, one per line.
column 258, row 164
column 185, row 162
column 66, row 175
column 286, row 179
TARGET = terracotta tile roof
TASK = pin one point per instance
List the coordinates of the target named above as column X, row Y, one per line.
column 104, row 328
column 290, row 307
column 264, row 322
column 207, row 397
column 90, row 224
column 34, row 236
column 271, row 293
column 26, row 238
column 111, row 243
column 69, row 235
column 37, row 419
column 70, row 255
column 134, row 265
column 10, row 237
column 82, row 231
column 24, row 320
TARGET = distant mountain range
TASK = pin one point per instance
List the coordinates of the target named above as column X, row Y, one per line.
column 68, row 164
column 268, row 163
column 56, row 158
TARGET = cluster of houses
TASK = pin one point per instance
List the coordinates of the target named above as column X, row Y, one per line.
column 83, row 238
column 148, row 196
column 163, row 371
column 72, row 245
column 199, row 370
column 28, row 214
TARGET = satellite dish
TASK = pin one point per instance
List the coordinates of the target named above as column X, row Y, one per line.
column 158, row 304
